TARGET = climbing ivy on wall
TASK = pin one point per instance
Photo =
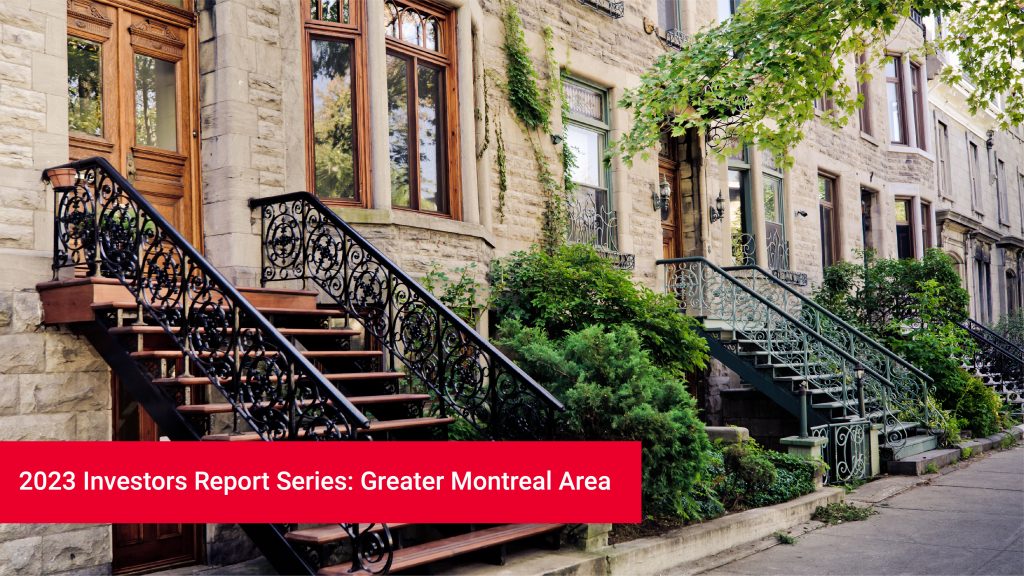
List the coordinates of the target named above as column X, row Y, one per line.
column 532, row 106
column 523, row 93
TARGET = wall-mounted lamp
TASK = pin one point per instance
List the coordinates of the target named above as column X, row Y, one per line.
column 990, row 139
column 718, row 210
column 801, row 213
column 557, row 139
column 661, row 197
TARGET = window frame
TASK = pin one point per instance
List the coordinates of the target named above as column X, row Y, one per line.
column 926, row 226
column 447, row 59
column 603, row 126
column 1002, row 195
column 942, row 158
column 351, row 32
column 910, row 224
column 917, row 104
column 678, row 11
column 901, row 111
column 830, row 257
column 864, row 89
column 974, row 171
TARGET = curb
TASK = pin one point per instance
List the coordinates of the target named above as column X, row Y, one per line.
column 651, row 555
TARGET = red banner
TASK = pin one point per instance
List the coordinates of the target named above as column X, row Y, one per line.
column 320, row 482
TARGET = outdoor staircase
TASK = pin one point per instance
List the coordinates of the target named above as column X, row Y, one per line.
column 371, row 355
column 797, row 353
column 999, row 363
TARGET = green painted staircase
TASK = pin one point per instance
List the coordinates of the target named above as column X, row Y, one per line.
column 787, row 347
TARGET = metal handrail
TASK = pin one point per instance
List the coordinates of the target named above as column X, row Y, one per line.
column 814, row 334
column 831, row 316
column 1009, row 347
column 283, row 346
column 431, row 301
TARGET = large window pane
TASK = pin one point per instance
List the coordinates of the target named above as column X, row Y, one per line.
column 85, row 87
column 398, row 128
column 156, row 122
column 772, row 199
column 333, row 119
column 587, row 146
column 430, row 125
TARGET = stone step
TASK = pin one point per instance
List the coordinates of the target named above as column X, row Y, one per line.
column 913, row 446
column 917, row 464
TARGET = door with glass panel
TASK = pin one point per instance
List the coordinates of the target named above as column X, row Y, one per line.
column 131, row 86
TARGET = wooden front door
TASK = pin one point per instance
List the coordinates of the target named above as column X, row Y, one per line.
column 132, row 87
column 671, row 214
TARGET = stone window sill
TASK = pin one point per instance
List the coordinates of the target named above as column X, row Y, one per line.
column 412, row 219
column 903, row 149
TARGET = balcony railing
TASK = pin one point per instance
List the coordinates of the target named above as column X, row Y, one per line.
column 778, row 258
column 593, row 222
column 607, row 7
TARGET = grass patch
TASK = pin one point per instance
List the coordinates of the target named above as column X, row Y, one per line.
column 931, row 468
column 839, row 512
column 784, row 538
column 966, row 452
column 1007, row 442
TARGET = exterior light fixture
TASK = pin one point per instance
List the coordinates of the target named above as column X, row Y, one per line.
column 661, row 198
column 718, row 210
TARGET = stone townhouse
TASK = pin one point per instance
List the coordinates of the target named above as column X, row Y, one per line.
column 391, row 112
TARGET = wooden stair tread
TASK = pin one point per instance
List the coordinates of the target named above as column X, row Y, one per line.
column 421, row 554
column 129, row 305
column 147, row 329
column 338, row 377
column 375, row 426
column 226, row 407
column 334, row 533
column 306, row 353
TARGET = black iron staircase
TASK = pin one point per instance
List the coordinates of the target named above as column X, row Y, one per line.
column 380, row 359
column 786, row 346
column 999, row 363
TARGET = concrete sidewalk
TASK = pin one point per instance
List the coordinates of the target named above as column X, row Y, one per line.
column 969, row 521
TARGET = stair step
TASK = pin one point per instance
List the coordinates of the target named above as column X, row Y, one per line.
column 226, row 407
column 330, row 534
column 266, row 311
column 834, row 404
column 913, row 446
column 917, row 464
column 375, row 426
column 811, row 377
column 320, row 354
column 338, row 377
column 310, row 332
column 422, row 554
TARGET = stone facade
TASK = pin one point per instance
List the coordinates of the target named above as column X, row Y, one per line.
column 251, row 91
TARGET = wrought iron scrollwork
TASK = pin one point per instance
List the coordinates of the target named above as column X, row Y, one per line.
column 769, row 318
column 998, row 363
column 744, row 247
column 847, row 451
column 104, row 227
column 593, row 222
column 469, row 378
column 903, row 385
column 615, row 9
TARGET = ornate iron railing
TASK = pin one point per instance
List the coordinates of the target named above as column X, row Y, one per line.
column 744, row 249
column 305, row 240
column 907, row 385
column 998, row 339
column 674, row 38
column 593, row 222
column 848, row 451
column 778, row 258
column 997, row 365
column 607, row 7
column 704, row 290
column 104, row 227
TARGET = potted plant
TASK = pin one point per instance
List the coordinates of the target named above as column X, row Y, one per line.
column 62, row 178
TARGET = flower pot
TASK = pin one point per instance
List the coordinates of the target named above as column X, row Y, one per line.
column 62, row 177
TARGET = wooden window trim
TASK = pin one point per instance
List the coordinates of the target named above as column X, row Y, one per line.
column 926, row 226
column 446, row 59
column 899, row 81
column 911, row 223
column 830, row 205
column 864, row 89
column 917, row 100
column 353, row 32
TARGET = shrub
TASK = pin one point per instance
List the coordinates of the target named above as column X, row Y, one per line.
column 745, row 475
column 575, row 288
column 613, row 391
column 915, row 307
